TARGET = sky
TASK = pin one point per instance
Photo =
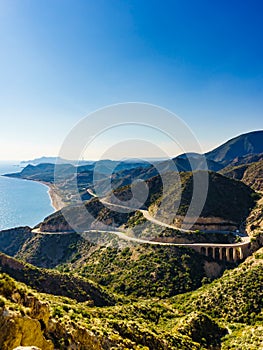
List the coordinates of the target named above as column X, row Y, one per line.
column 61, row 60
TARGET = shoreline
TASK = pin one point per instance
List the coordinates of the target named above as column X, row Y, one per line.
column 56, row 201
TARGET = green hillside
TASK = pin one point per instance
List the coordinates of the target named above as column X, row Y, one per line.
column 53, row 282
column 130, row 269
column 144, row 270
column 226, row 314
column 223, row 198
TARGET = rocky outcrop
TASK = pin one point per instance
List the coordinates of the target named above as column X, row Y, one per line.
column 38, row 310
column 72, row 338
column 17, row 329
column 11, row 263
column 26, row 324
column 59, row 227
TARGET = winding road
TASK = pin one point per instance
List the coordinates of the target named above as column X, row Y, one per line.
column 144, row 212
column 245, row 240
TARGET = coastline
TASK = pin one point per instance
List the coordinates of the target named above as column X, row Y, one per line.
column 25, row 204
column 56, row 201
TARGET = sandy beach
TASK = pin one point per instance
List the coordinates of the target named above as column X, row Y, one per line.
column 56, row 201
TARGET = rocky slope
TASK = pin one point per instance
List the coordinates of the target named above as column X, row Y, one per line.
column 107, row 293
column 221, row 211
column 251, row 174
column 53, row 282
column 225, row 314
column 113, row 263
column 240, row 146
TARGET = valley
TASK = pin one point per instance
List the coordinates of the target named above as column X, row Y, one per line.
column 131, row 175
column 111, row 271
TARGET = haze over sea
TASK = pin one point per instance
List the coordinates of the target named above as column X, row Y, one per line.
column 22, row 202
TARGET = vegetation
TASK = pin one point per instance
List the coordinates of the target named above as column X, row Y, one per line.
column 109, row 293
column 251, row 174
column 214, row 316
column 53, row 282
column 143, row 271
column 223, row 198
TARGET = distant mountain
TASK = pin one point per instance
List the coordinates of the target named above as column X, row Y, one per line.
column 246, row 148
column 248, row 159
column 240, row 146
column 189, row 154
column 43, row 172
column 54, row 160
column 233, row 151
column 100, row 291
column 103, row 165
column 40, row 160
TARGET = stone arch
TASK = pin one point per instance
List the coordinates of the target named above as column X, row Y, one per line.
column 231, row 256
column 217, row 253
column 210, row 252
column 203, row 250
column 237, row 253
column 223, row 253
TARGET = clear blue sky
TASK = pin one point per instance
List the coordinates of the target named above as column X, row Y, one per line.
column 62, row 59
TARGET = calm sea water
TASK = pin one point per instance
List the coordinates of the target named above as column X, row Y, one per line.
column 22, row 202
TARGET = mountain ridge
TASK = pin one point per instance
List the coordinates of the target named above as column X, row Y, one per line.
column 104, row 292
column 239, row 146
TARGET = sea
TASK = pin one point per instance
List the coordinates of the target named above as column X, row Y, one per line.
column 22, row 202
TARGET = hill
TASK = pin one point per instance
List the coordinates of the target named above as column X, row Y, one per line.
column 44, row 172
column 243, row 149
column 222, row 209
column 251, row 174
column 123, row 267
column 222, row 203
column 145, row 270
column 225, row 314
column 80, row 221
column 55, row 283
column 240, row 146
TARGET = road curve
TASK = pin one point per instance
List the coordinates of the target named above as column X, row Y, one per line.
column 245, row 240
column 123, row 235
